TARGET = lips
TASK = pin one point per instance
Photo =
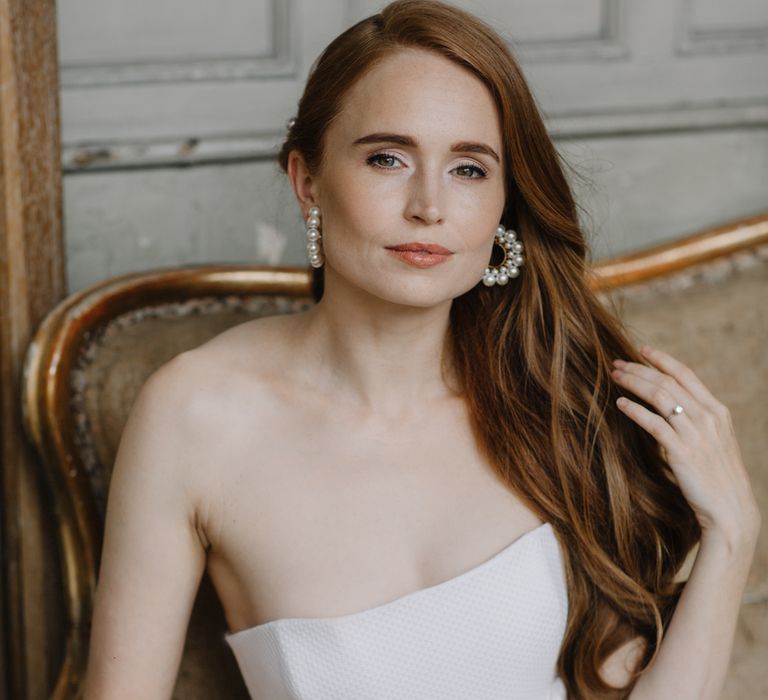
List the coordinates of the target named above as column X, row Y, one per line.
column 419, row 254
column 430, row 248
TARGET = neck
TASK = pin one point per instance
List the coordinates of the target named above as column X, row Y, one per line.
column 385, row 357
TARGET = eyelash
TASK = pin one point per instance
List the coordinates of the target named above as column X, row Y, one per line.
column 370, row 160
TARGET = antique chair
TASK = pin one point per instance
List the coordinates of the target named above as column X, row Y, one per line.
column 699, row 298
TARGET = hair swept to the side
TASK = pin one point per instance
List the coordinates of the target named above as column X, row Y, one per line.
column 534, row 358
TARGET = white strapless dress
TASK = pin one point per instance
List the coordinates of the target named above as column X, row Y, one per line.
column 491, row 633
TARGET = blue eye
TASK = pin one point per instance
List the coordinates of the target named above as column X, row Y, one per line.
column 374, row 160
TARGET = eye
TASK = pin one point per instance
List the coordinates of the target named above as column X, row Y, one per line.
column 468, row 167
column 377, row 158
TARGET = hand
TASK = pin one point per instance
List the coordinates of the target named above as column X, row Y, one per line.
column 699, row 443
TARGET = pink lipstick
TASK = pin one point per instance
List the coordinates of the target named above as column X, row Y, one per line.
column 420, row 254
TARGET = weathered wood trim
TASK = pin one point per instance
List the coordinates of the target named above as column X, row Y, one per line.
column 187, row 151
column 32, row 280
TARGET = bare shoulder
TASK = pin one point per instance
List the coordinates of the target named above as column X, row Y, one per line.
column 255, row 348
column 206, row 401
column 176, row 463
column 198, row 383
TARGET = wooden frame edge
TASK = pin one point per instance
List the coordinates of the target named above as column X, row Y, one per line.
column 673, row 256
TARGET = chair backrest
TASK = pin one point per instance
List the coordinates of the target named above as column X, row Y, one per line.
column 696, row 297
column 83, row 371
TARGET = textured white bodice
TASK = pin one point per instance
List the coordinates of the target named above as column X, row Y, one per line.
column 491, row 633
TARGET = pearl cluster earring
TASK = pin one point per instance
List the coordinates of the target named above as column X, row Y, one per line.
column 314, row 246
column 506, row 239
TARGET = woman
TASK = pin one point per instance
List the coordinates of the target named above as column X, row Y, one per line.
column 430, row 484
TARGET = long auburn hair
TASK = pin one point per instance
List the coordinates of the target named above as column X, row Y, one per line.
column 533, row 358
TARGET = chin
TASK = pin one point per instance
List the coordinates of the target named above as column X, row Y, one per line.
column 423, row 293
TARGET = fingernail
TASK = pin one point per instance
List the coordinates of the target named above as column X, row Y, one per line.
column 619, row 363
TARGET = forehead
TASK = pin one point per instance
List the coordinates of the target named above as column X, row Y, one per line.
column 423, row 94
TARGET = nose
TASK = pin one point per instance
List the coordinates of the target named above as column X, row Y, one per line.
column 424, row 199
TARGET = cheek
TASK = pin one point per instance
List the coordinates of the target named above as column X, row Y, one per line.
column 354, row 208
column 479, row 227
column 479, row 208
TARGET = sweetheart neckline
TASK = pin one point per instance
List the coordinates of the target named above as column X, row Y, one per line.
column 493, row 559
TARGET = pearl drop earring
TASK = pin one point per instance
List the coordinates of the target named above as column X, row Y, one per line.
column 509, row 267
column 314, row 239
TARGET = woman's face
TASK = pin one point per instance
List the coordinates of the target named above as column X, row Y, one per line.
column 414, row 156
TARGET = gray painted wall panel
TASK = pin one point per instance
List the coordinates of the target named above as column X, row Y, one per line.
column 708, row 15
column 653, row 188
column 148, row 30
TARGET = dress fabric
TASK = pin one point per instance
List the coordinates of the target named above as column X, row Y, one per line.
column 491, row 633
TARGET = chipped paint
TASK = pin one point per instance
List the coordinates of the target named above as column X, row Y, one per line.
column 270, row 243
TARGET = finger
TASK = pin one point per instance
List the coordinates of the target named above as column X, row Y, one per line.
column 651, row 422
column 657, row 396
column 678, row 393
column 683, row 374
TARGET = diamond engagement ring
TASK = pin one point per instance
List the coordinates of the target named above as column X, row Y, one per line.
column 676, row 411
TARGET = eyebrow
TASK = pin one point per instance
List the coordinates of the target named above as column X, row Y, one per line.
column 460, row 147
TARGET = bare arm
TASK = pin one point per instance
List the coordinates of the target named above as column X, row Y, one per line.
column 697, row 435
column 152, row 558
column 693, row 658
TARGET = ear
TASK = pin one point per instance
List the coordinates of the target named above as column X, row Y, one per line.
column 304, row 185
